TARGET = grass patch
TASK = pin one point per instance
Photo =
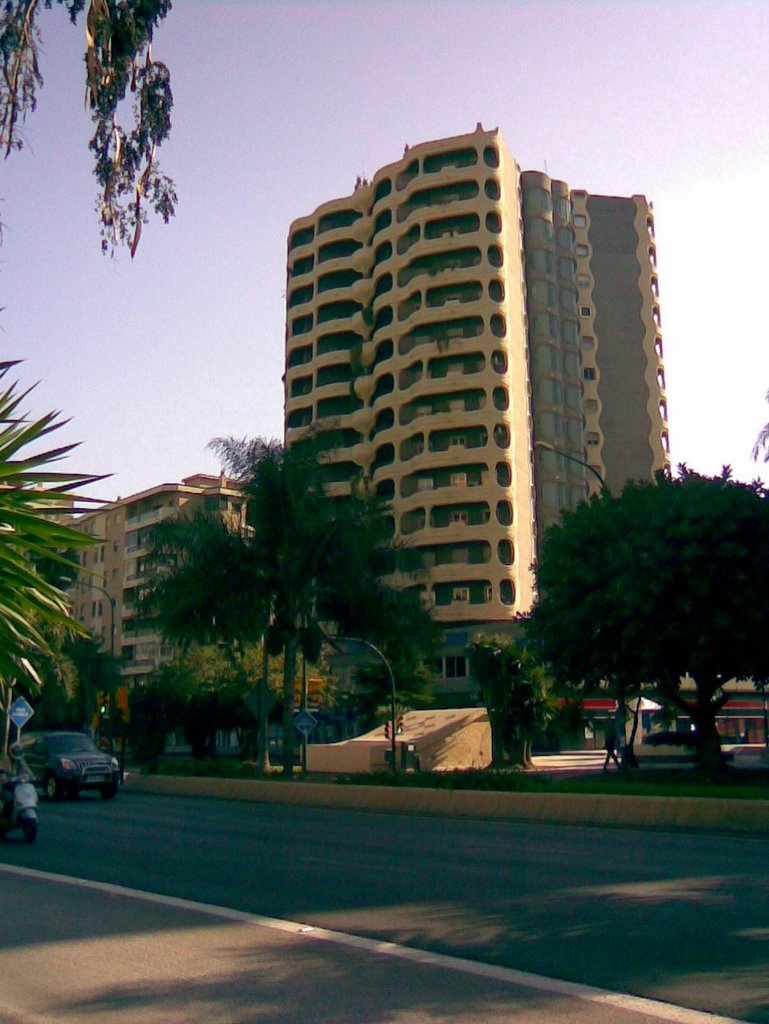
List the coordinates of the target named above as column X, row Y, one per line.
column 734, row 784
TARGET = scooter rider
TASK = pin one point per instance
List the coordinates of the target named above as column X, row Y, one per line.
column 18, row 769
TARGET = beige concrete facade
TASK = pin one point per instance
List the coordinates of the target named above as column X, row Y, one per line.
column 436, row 319
column 105, row 598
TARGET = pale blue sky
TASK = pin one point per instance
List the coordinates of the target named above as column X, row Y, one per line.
column 280, row 106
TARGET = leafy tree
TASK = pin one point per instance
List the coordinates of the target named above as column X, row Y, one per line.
column 323, row 559
column 32, row 492
column 155, row 709
column 118, row 61
column 207, row 587
column 211, row 685
column 515, row 692
column 667, row 580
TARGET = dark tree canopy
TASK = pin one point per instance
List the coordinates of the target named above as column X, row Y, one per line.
column 118, row 61
column 515, row 692
column 666, row 580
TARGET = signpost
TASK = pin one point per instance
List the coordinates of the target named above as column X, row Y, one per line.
column 305, row 722
column 20, row 713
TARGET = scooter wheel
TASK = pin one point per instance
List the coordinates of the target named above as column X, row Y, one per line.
column 29, row 828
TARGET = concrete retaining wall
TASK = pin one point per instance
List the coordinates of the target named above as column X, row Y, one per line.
column 698, row 813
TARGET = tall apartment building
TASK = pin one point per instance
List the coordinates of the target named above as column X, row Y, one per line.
column 105, row 597
column 486, row 343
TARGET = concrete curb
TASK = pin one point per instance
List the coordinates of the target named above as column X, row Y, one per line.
column 695, row 813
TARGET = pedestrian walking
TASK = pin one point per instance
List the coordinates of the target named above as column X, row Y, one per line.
column 610, row 746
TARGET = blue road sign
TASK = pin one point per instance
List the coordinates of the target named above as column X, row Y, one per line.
column 21, row 712
column 304, row 722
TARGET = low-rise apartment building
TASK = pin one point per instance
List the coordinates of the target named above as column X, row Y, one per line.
column 106, row 595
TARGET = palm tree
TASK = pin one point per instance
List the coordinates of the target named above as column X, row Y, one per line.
column 322, row 559
column 31, row 495
column 762, row 441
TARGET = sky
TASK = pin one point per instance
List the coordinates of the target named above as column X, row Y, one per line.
column 279, row 107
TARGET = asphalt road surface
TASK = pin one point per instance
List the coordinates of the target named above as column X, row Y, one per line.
column 672, row 917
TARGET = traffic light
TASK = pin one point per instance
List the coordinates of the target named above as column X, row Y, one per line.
column 387, row 729
column 399, row 725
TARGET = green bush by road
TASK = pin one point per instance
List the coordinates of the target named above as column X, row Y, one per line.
column 736, row 784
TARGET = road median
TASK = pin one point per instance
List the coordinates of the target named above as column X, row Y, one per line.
column 690, row 813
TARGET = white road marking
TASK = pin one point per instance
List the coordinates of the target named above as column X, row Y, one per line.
column 506, row 975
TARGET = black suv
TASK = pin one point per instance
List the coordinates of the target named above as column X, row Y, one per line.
column 66, row 762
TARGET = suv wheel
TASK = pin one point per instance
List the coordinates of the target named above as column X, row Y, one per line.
column 53, row 788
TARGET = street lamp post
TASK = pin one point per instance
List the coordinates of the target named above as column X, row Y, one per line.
column 386, row 663
column 547, row 447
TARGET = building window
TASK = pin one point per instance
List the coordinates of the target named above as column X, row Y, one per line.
column 580, row 220
column 588, row 373
column 505, row 552
column 581, row 250
column 584, row 310
column 455, row 666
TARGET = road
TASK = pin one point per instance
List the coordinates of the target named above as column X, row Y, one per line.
column 673, row 917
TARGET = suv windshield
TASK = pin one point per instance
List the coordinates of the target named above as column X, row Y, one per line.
column 71, row 744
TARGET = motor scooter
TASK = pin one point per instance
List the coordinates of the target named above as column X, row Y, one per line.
column 18, row 797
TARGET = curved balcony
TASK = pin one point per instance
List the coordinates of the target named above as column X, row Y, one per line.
column 437, row 196
column 452, row 555
column 383, row 456
column 385, row 420
column 385, row 385
column 451, row 481
column 343, row 248
column 337, row 341
column 334, row 279
column 334, row 220
column 301, row 237
column 411, row 375
column 300, row 386
column 343, row 309
column 382, row 189
column 440, row 332
column 464, row 364
column 434, row 404
column 436, row 263
column 299, row 296
column 425, row 318
column 458, row 439
column 452, row 159
column 301, row 266
column 299, row 418
column 299, row 355
column 459, row 514
column 337, row 373
column 460, row 293
column 337, row 406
